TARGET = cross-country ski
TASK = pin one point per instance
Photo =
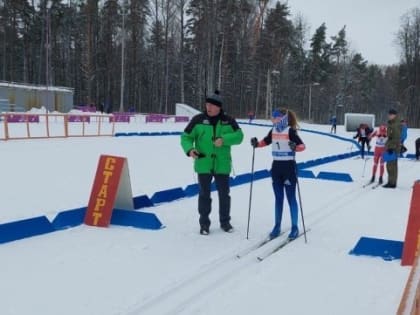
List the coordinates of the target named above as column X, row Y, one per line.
column 283, row 243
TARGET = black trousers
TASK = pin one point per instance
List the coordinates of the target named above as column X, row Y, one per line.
column 418, row 148
column 363, row 142
column 204, row 197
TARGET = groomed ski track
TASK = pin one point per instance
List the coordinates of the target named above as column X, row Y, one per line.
column 182, row 296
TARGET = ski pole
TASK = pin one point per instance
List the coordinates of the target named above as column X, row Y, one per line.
column 364, row 168
column 250, row 191
column 300, row 203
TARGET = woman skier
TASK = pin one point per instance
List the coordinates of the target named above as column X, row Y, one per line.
column 284, row 142
column 362, row 135
column 381, row 138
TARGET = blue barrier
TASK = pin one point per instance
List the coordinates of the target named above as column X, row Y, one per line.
column 130, row 134
column 241, row 179
column 68, row 219
column 213, row 186
column 137, row 219
column 310, row 131
column 342, row 177
column 168, row 195
column 306, row 174
column 375, row 247
column 142, row 201
column 191, row 190
column 17, row 230
column 262, row 174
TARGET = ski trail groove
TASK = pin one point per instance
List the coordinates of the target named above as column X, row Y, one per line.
column 183, row 294
column 208, row 277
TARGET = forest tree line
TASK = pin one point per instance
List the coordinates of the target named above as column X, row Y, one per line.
column 178, row 51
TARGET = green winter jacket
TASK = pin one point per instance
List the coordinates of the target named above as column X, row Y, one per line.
column 200, row 134
column 394, row 135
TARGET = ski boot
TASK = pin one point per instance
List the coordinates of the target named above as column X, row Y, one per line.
column 275, row 232
column 294, row 233
column 372, row 180
column 381, row 181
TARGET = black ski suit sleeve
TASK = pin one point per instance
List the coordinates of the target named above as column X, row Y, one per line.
column 268, row 139
column 293, row 136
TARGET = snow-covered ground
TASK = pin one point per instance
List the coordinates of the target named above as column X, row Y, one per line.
column 120, row 270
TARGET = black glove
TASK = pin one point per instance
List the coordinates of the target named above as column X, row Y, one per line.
column 254, row 142
column 390, row 151
column 292, row 145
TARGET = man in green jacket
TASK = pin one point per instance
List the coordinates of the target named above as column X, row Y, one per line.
column 393, row 145
column 208, row 139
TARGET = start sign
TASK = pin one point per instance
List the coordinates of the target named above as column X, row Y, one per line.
column 111, row 189
column 412, row 235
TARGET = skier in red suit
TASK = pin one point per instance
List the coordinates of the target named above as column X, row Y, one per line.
column 381, row 137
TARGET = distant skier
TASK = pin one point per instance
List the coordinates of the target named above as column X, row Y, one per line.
column 208, row 139
column 392, row 146
column 333, row 122
column 404, row 134
column 418, row 149
column 251, row 116
column 380, row 135
column 362, row 135
column 284, row 142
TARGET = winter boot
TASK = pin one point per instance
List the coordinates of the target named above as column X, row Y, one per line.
column 372, row 180
column 227, row 227
column 381, row 181
column 389, row 186
column 204, row 230
column 294, row 233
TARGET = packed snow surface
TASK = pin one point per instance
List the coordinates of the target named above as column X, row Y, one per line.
column 120, row 270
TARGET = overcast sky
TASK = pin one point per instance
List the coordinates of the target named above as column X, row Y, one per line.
column 371, row 24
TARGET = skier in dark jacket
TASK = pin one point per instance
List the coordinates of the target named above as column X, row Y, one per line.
column 284, row 142
column 208, row 139
column 362, row 136
column 333, row 122
column 417, row 149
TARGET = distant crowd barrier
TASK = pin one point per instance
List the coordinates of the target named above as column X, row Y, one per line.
column 41, row 126
column 19, row 118
column 15, row 126
column 120, row 117
column 160, row 118
column 155, row 118
column 78, row 118
column 182, row 119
